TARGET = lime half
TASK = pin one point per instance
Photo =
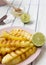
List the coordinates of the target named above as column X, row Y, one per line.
column 38, row 39
column 25, row 18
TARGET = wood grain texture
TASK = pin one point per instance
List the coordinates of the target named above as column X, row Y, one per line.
column 41, row 27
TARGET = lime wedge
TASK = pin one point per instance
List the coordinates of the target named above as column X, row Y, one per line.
column 38, row 39
column 25, row 18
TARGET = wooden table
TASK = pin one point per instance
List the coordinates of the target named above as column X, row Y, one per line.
column 37, row 11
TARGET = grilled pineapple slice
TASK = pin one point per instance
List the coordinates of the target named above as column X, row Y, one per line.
column 22, row 33
column 23, row 57
column 16, row 60
column 19, row 55
column 0, row 58
column 6, row 58
column 16, row 46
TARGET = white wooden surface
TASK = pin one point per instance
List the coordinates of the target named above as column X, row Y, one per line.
column 37, row 11
column 41, row 26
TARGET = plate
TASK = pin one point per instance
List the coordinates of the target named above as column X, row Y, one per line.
column 32, row 57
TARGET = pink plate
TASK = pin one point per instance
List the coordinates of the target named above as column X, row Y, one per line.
column 35, row 55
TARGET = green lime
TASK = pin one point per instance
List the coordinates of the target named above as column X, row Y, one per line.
column 38, row 39
column 25, row 18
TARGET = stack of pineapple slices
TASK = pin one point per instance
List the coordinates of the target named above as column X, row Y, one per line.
column 15, row 46
column 19, row 55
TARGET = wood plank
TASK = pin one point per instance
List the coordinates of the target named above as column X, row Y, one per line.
column 41, row 27
column 3, row 10
column 4, row 26
column 33, row 14
column 10, row 16
column 7, row 11
column 17, row 20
